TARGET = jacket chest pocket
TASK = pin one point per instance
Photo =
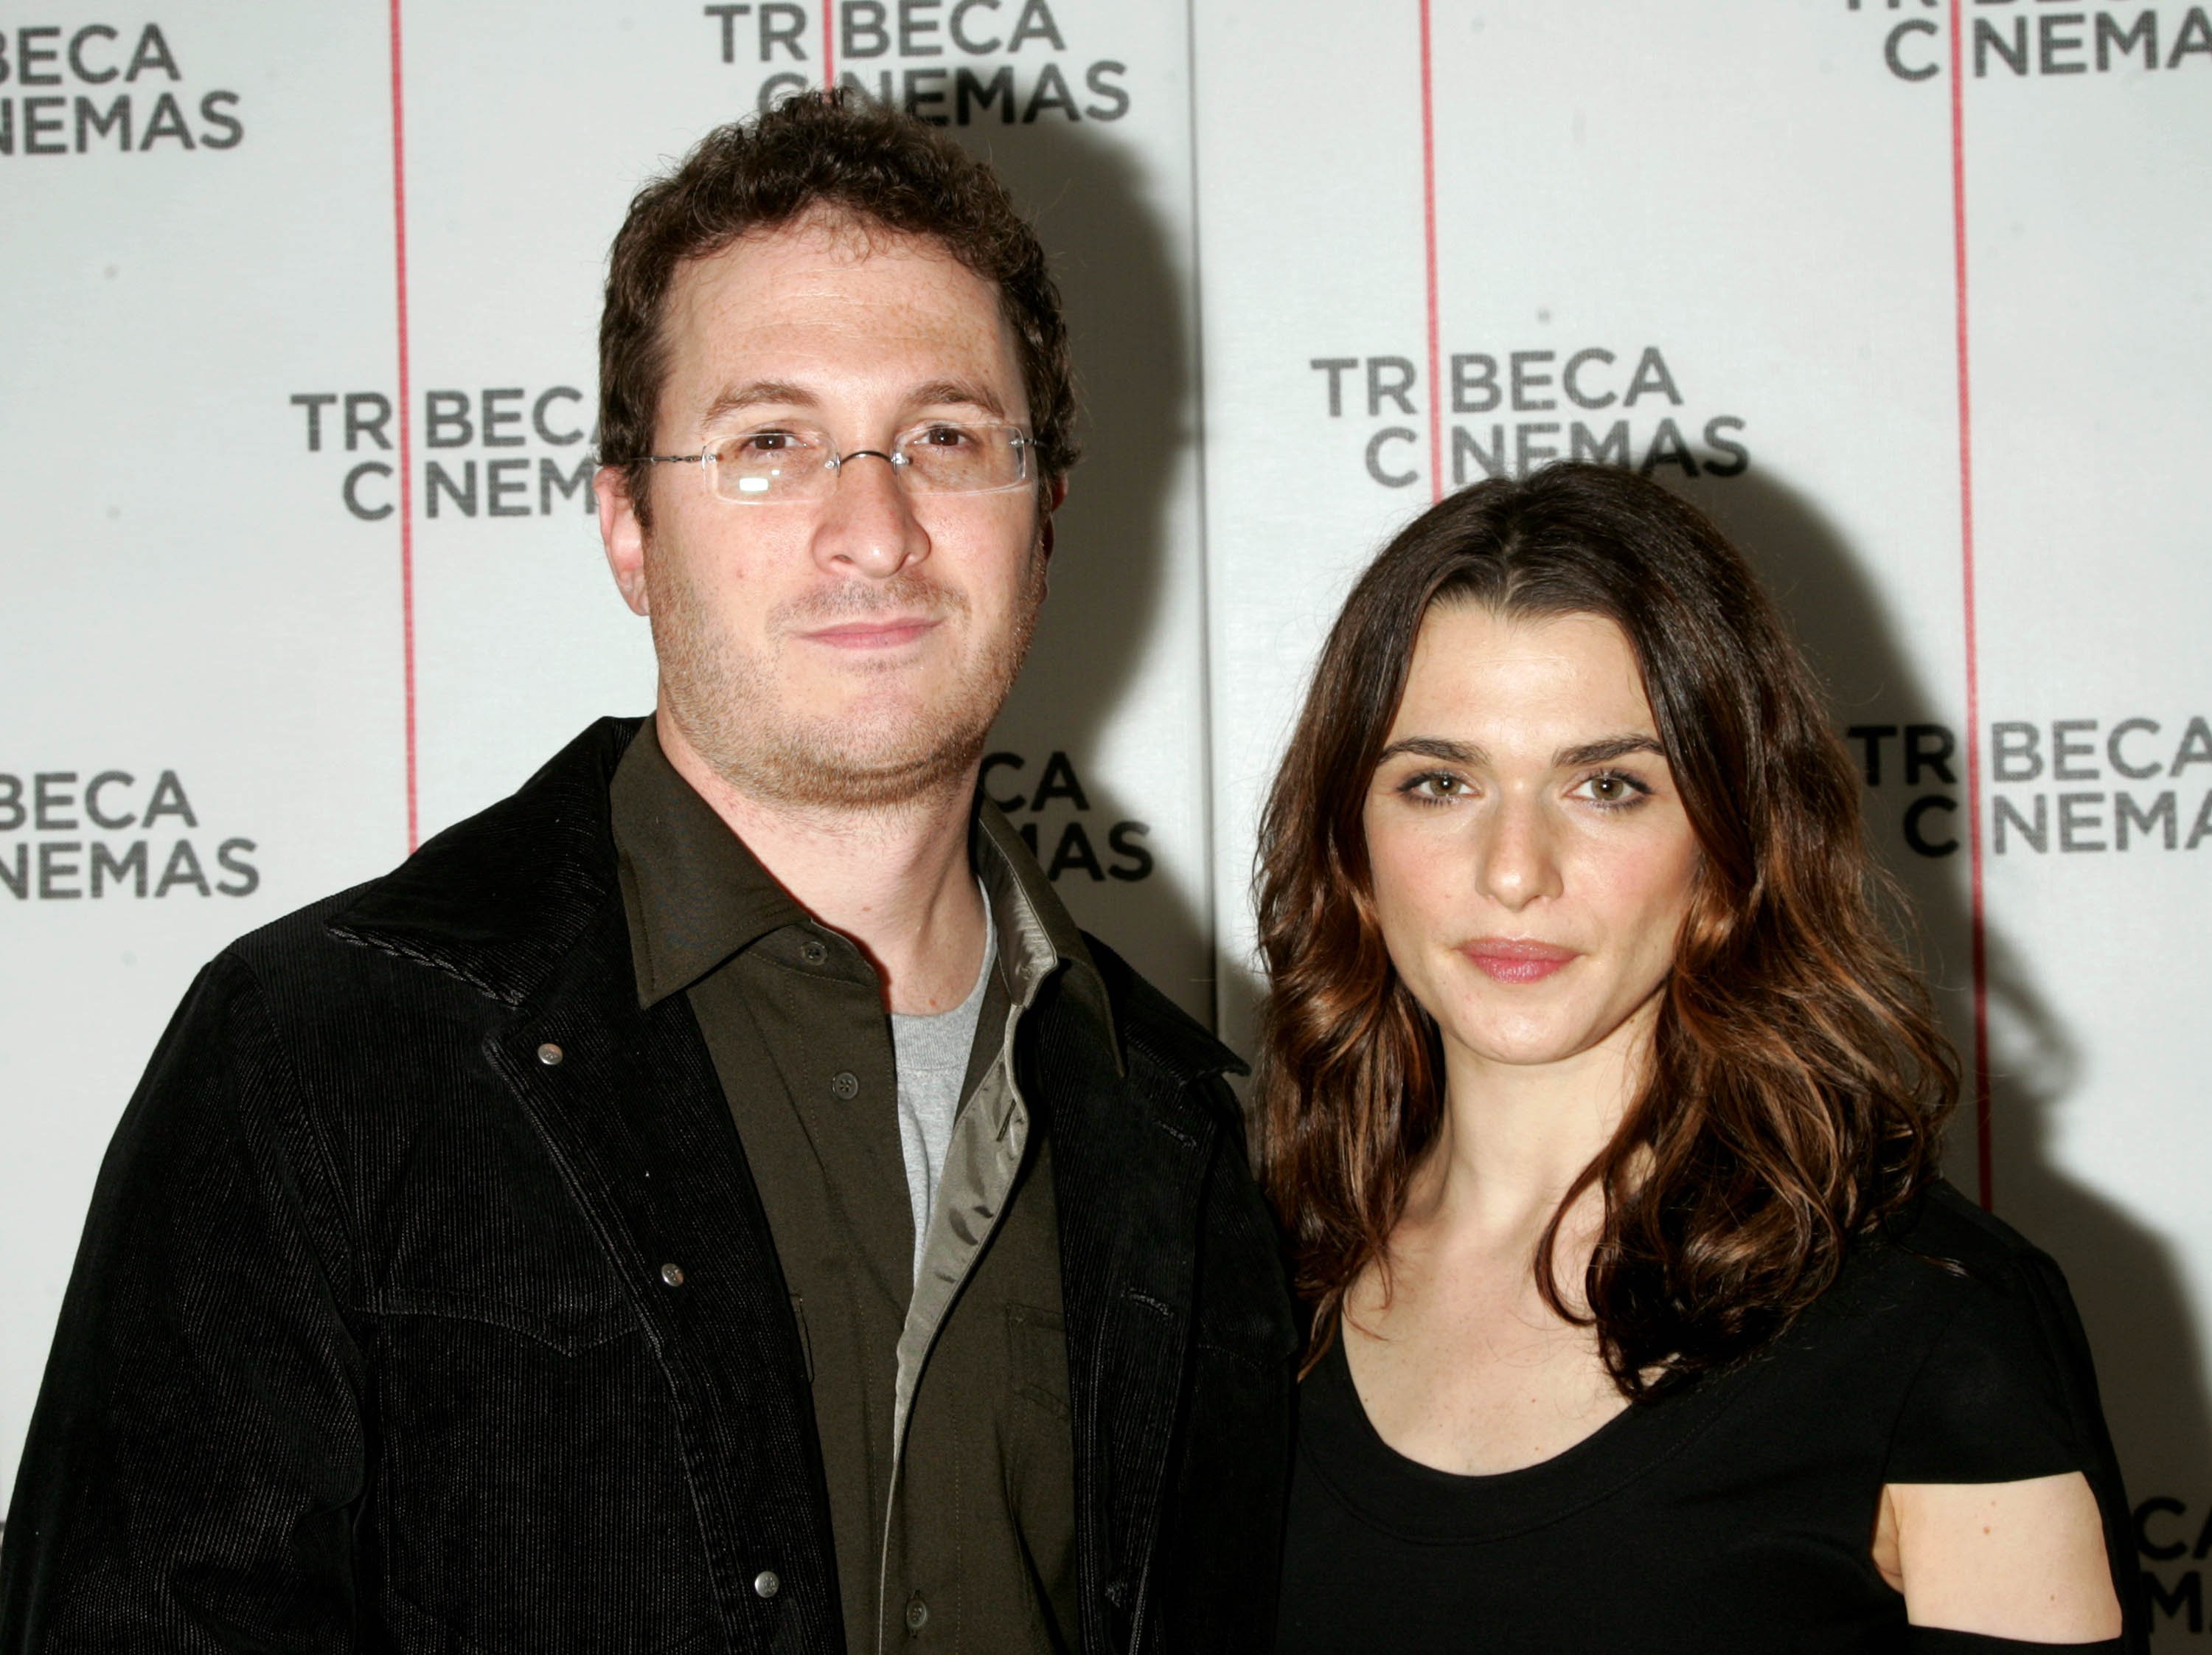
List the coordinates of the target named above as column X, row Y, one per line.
column 530, row 1491
column 567, row 1330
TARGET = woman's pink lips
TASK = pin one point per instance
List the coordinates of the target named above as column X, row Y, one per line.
column 1511, row 960
column 879, row 634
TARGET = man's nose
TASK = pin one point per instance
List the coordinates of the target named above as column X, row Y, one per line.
column 867, row 526
column 1519, row 855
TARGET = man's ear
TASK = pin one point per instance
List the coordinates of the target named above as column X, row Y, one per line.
column 1056, row 493
column 623, row 535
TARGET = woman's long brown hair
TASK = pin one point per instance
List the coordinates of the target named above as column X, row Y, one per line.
column 1798, row 1081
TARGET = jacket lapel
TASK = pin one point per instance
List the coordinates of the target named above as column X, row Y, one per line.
column 1130, row 1158
column 634, row 1114
column 522, row 903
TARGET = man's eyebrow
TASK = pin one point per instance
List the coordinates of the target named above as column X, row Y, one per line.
column 938, row 393
column 1612, row 747
column 933, row 393
column 756, row 394
column 1430, row 746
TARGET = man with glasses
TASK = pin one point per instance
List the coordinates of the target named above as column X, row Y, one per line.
column 715, row 1199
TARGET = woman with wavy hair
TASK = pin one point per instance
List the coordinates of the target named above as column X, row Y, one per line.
column 1605, row 1121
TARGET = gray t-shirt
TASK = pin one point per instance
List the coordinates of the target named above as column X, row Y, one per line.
column 930, row 1059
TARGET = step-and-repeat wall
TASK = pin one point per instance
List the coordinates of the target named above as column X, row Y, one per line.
column 295, row 431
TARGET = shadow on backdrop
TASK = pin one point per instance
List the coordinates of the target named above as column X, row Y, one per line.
column 2125, row 1276
column 1128, row 305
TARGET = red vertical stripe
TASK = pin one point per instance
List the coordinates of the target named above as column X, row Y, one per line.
column 1980, row 949
column 829, row 42
column 406, row 434
column 1428, row 230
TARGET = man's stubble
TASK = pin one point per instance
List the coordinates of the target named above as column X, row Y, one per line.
column 722, row 696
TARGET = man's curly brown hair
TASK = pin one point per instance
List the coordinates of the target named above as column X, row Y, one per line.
column 853, row 157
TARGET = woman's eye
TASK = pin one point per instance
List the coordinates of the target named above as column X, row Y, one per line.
column 1612, row 789
column 1433, row 786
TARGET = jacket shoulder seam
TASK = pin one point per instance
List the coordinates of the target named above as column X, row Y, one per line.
column 400, row 949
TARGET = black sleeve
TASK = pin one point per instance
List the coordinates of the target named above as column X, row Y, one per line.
column 2009, row 1392
column 197, row 1448
column 1991, row 1403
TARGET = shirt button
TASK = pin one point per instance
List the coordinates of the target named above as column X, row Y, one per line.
column 548, row 1054
column 846, row 1084
column 672, row 1274
column 813, row 952
column 765, row 1583
column 917, row 1614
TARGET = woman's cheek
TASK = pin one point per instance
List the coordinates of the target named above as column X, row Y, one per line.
column 1644, row 890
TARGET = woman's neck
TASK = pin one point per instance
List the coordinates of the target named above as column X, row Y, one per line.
column 1515, row 1136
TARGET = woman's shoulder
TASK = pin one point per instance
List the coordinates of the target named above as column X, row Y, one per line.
column 2000, row 1386
column 1942, row 1223
column 1937, row 1255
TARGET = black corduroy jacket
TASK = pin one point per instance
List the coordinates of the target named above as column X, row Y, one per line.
column 372, row 1342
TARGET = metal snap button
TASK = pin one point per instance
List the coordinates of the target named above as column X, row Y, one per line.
column 548, row 1054
column 672, row 1274
column 813, row 952
column 846, row 1084
column 917, row 1614
column 765, row 1585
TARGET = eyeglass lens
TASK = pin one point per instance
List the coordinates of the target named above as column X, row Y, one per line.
column 788, row 462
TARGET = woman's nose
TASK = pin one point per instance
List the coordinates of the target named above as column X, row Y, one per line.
column 1519, row 863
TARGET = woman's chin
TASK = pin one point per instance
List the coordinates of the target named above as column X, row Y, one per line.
column 1524, row 1042
column 1522, row 1048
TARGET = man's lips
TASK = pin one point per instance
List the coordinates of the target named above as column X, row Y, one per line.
column 1517, row 959
column 884, row 634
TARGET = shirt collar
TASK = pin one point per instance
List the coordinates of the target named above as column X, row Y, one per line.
column 693, row 895
column 1037, row 936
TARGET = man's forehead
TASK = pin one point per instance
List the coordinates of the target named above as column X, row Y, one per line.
column 801, row 312
column 835, row 273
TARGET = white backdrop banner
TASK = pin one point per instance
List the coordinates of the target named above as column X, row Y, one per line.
column 296, row 432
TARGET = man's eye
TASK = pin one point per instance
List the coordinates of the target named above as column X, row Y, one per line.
column 942, row 436
column 769, row 443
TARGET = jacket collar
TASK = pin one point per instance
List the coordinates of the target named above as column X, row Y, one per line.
column 499, row 899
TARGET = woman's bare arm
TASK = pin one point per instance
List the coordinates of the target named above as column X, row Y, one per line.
column 2006, row 1560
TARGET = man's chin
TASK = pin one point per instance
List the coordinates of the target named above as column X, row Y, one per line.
column 879, row 760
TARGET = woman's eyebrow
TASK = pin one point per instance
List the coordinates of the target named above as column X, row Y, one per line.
column 1611, row 746
column 1430, row 746
column 1467, row 753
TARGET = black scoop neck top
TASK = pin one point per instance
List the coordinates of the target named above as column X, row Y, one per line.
column 1735, row 1515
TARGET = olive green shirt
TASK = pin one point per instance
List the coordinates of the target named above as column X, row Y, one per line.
column 940, row 1375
